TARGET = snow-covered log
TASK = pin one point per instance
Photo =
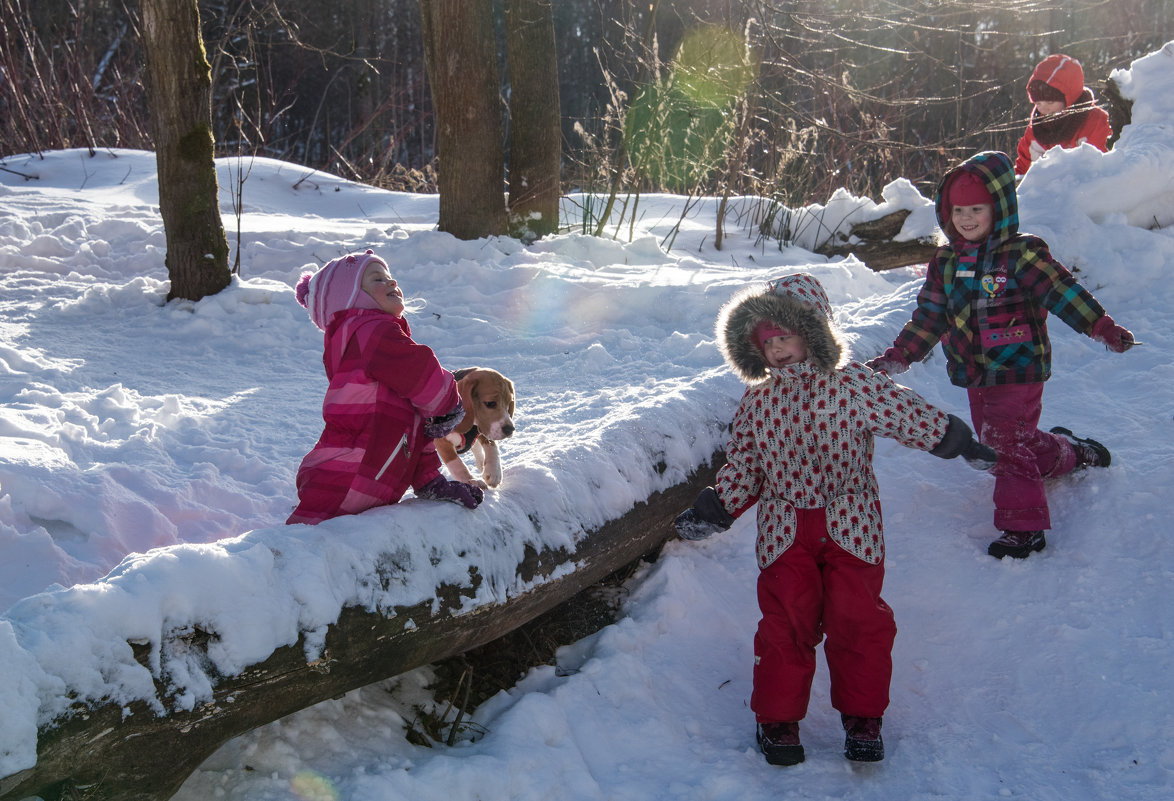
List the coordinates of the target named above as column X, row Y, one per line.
column 872, row 242
column 130, row 753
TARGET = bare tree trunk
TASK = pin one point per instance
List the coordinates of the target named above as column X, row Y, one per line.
column 535, row 130
column 461, row 61
column 179, row 85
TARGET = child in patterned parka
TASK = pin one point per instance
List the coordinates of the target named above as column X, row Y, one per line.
column 986, row 298
column 387, row 399
column 801, row 448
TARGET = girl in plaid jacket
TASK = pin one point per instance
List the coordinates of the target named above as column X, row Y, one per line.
column 986, row 298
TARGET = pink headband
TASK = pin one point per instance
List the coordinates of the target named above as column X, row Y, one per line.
column 765, row 330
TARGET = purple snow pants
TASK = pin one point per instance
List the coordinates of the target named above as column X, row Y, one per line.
column 1006, row 418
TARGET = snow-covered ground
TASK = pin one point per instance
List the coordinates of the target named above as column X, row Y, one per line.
column 147, row 455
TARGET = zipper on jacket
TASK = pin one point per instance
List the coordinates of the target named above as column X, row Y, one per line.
column 403, row 441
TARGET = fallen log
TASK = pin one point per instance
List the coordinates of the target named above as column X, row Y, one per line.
column 875, row 246
column 129, row 753
column 1120, row 109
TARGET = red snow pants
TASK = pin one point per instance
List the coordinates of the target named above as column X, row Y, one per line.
column 1006, row 418
column 815, row 589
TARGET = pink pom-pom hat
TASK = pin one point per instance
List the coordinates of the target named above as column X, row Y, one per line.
column 335, row 287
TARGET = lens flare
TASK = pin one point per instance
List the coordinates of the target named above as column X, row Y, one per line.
column 310, row 786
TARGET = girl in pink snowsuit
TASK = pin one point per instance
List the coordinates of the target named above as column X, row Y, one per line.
column 801, row 448
column 387, row 399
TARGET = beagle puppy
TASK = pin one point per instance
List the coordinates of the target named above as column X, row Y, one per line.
column 488, row 398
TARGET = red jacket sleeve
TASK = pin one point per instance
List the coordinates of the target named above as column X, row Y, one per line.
column 1023, row 152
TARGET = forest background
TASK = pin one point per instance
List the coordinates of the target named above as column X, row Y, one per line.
column 786, row 99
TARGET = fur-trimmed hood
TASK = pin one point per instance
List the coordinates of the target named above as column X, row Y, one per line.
column 795, row 302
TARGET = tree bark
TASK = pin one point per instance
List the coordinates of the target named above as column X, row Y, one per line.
column 111, row 753
column 461, row 61
column 876, row 248
column 1120, row 109
column 179, row 86
column 535, row 130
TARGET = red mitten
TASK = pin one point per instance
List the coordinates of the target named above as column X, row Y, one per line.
column 892, row 361
column 1111, row 335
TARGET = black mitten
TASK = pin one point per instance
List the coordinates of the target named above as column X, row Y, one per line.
column 704, row 518
column 960, row 441
column 979, row 456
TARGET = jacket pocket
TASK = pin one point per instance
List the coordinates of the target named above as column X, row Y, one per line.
column 400, row 447
column 854, row 522
column 1002, row 337
column 776, row 529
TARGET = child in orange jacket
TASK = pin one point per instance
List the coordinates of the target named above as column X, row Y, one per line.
column 1064, row 112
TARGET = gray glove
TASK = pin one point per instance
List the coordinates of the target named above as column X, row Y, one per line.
column 437, row 427
column 704, row 518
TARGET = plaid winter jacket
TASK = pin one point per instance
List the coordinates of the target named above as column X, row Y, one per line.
column 988, row 302
column 373, row 448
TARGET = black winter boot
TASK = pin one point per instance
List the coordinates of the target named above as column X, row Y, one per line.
column 1017, row 544
column 863, row 742
column 1089, row 452
column 780, row 743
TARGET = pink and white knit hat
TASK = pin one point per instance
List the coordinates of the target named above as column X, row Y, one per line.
column 336, row 286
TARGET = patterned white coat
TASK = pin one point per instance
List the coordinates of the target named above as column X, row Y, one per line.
column 804, row 440
column 803, row 434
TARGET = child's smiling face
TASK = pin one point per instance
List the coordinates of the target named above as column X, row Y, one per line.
column 975, row 222
column 784, row 349
column 378, row 283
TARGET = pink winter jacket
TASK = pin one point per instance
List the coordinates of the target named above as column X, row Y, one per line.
column 803, row 439
column 373, row 448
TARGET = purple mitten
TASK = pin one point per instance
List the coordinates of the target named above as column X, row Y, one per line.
column 1111, row 335
column 892, row 361
column 437, row 427
column 441, row 489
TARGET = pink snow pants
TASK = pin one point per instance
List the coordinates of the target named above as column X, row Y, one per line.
column 816, row 588
column 1006, row 418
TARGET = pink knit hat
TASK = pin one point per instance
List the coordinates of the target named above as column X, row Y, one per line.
column 336, row 286
column 968, row 189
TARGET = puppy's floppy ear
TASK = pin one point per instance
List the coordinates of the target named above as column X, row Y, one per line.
column 474, row 384
column 510, row 386
column 464, row 388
